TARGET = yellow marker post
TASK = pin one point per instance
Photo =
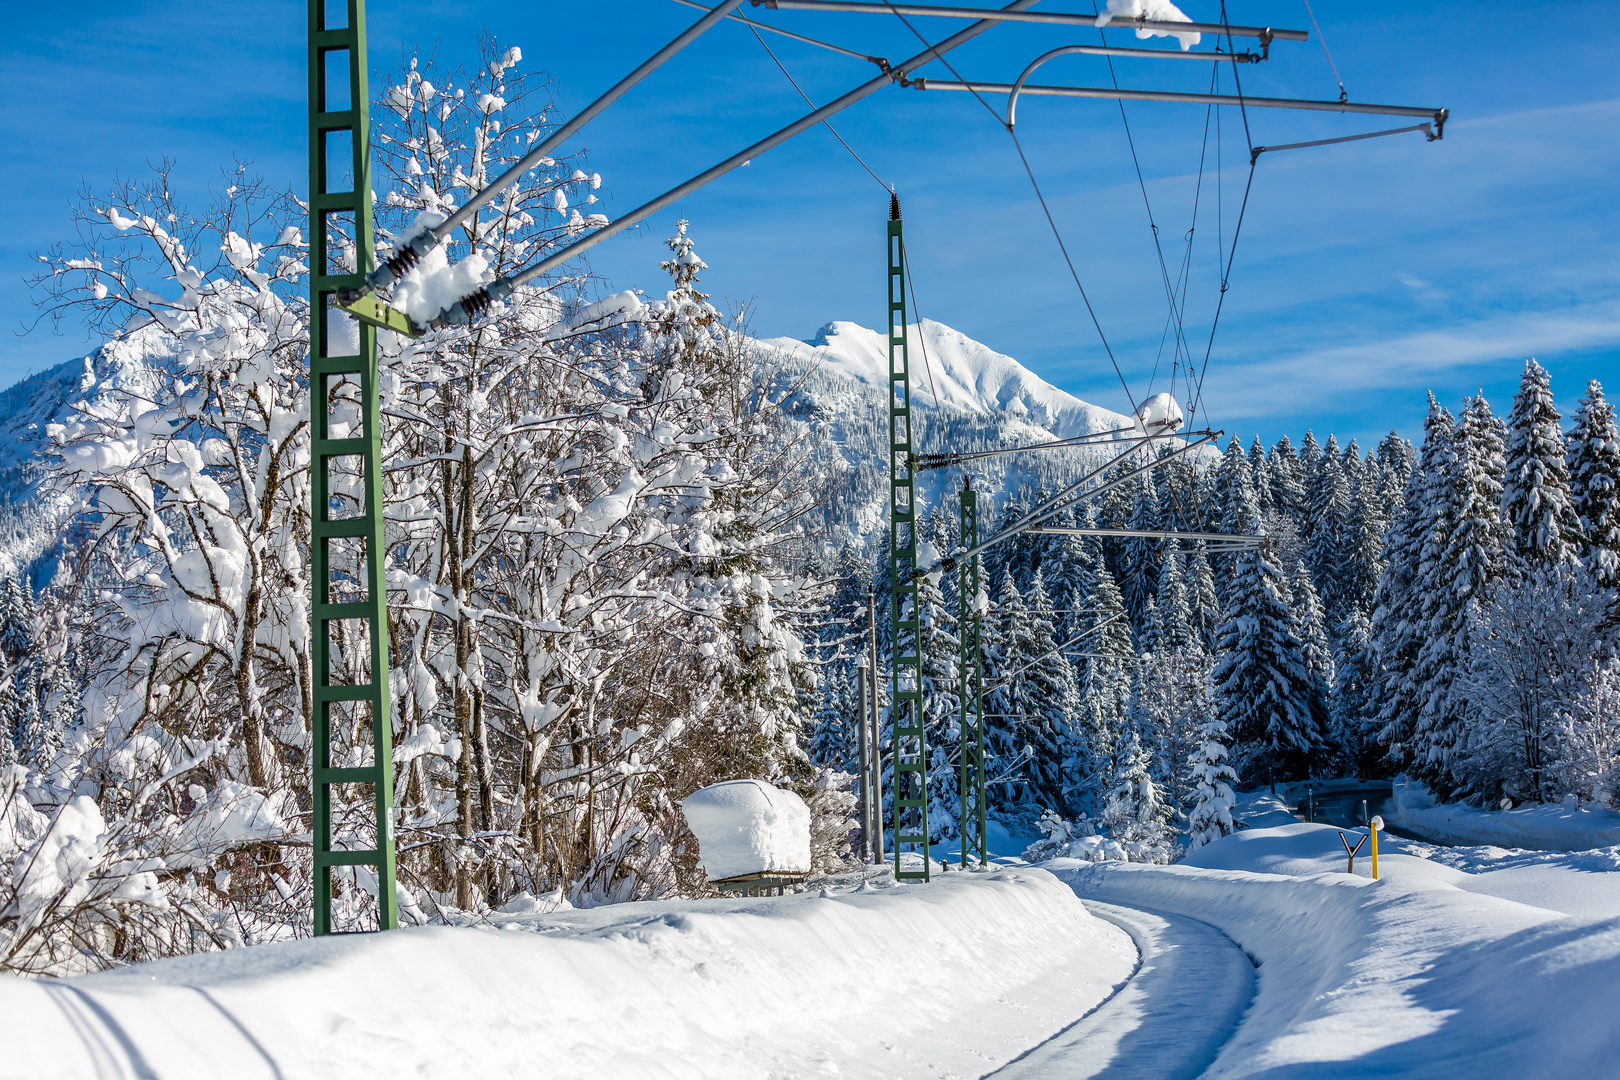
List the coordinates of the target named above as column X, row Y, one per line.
column 1376, row 824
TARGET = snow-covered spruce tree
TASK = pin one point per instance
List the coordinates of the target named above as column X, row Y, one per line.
column 1463, row 555
column 1259, row 477
column 1536, row 500
column 1053, row 700
column 1135, row 814
column 1363, row 543
column 1352, row 711
column 1214, row 787
column 1396, row 630
column 1310, row 624
column 1170, row 703
column 1265, row 693
column 1142, row 555
column 1328, row 510
column 1203, row 604
column 1105, row 692
column 1594, row 483
column 1285, row 479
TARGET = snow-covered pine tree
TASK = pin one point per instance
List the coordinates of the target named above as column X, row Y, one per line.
column 832, row 738
column 1135, row 813
column 1265, row 692
column 1310, row 624
column 1536, row 500
column 16, row 620
column 1214, row 787
column 1310, row 459
column 1203, row 603
column 1284, row 477
column 1397, row 628
column 1328, row 497
column 1105, row 686
column 1142, row 555
column 1259, row 476
column 1594, row 483
column 1175, row 613
column 1463, row 554
column 1051, row 701
column 1352, row 709
column 1362, row 542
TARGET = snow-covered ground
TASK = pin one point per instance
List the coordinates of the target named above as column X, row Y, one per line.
column 1543, row 828
column 954, row 978
column 1431, row 971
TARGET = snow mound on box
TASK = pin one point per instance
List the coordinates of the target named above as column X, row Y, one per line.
column 956, row 977
column 749, row 827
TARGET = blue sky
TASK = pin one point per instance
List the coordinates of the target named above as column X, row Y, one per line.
column 1367, row 273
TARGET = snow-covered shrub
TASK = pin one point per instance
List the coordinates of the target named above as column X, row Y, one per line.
column 1136, row 816
column 832, row 822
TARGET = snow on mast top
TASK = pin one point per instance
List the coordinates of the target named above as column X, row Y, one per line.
column 1159, row 415
column 1154, row 10
column 748, row 827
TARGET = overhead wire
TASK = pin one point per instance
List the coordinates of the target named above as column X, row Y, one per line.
column 909, row 284
column 1344, row 95
column 1153, row 225
column 878, row 60
column 1226, row 271
column 755, row 27
column 1056, row 234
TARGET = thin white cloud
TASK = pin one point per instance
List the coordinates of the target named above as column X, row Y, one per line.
column 1303, row 380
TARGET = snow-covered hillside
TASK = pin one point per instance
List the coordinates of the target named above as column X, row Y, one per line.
column 952, row 371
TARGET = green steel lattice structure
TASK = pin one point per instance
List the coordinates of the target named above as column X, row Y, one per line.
column 346, row 551
column 909, row 748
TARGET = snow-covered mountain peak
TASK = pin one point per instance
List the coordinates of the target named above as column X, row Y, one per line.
column 962, row 373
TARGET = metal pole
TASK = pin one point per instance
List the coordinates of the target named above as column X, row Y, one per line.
column 1437, row 115
column 866, row 762
column 970, row 686
column 876, row 733
column 1118, row 22
column 339, row 154
column 402, row 261
column 469, row 307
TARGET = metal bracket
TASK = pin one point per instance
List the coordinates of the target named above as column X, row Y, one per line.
column 373, row 312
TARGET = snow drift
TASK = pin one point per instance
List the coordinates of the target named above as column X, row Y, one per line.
column 953, row 978
column 1411, row 975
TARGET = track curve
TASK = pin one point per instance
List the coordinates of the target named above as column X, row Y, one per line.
column 1167, row 1022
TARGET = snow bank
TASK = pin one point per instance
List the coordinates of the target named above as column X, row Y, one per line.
column 1540, row 828
column 1407, row 976
column 749, row 827
column 956, row 977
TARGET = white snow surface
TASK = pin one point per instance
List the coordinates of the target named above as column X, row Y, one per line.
column 1557, row 827
column 960, row 372
column 953, row 978
column 749, row 827
column 1422, row 973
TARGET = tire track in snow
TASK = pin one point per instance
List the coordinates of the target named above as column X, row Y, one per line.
column 1167, row 1022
